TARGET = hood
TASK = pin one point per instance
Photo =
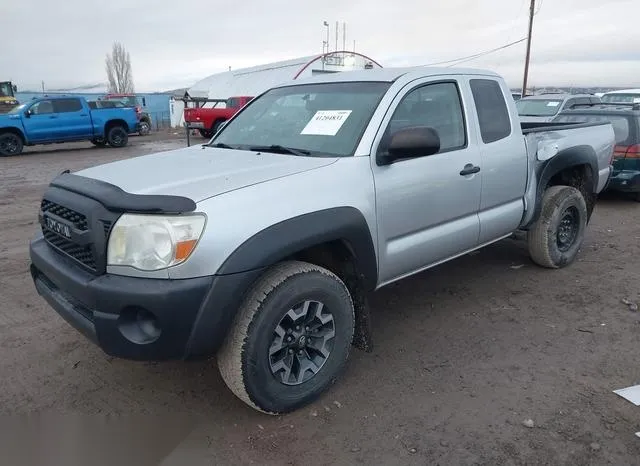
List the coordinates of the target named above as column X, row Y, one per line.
column 200, row 172
column 536, row 119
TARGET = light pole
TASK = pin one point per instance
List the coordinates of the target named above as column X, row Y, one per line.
column 526, row 60
column 327, row 26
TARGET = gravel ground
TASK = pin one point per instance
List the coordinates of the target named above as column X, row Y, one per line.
column 485, row 360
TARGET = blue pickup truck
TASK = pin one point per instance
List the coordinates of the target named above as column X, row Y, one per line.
column 50, row 120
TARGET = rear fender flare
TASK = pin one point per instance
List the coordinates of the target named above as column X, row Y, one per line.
column 286, row 238
column 572, row 157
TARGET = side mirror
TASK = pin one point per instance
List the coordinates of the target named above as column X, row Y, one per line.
column 417, row 141
column 144, row 101
column 15, row 88
column 27, row 114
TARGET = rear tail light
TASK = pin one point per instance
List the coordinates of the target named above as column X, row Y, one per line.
column 633, row 152
column 629, row 152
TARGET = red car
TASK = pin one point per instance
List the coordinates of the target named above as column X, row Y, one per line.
column 208, row 120
column 132, row 100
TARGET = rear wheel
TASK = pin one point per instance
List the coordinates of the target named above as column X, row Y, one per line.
column 636, row 196
column 556, row 237
column 10, row 144
column 216, row 126
column 144, row 128
column 291, row 338
column 205, row 133
column 117, row 136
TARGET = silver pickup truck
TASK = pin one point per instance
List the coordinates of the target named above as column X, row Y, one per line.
column 262, row 245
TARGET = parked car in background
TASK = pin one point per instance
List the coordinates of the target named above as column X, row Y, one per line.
column 261, row 245
column 50, row 120
column 207, row 120
column 625, row 120
column 544, row 107
column 139, row 104
column 624, row 96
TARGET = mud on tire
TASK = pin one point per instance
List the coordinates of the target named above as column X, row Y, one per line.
column 556, row 237
column 290, row 339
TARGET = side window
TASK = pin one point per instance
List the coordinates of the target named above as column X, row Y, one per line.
column 67, row 105
column 582, row 101
column 569, row 104
column 437, row 106
column 41, row 108
column 493, row 115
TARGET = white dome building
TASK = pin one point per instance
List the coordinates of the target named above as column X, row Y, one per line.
column 257, row 79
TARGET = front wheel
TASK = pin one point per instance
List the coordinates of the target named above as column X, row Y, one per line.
column 556, row 237
column 291, row 338
column 10, row 144
column 117, row 136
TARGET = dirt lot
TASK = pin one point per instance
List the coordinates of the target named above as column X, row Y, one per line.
column 463, row 355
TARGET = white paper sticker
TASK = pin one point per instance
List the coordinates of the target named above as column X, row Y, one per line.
column 326, row 122
column 636, row 100
column 553, row 104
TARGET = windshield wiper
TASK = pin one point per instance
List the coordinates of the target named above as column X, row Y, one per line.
column 278, row 149
column 220, row 145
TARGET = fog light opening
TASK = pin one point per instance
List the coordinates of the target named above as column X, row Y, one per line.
column 139, row 325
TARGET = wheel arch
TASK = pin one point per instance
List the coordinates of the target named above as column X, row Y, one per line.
column 13, row 130
column 577, row 167
column 115, row 122
column 342, row 230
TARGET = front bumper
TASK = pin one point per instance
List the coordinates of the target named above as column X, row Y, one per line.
column 625, row 181
column 140, row 318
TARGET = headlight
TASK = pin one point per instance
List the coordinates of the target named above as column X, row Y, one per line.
column 153, row 242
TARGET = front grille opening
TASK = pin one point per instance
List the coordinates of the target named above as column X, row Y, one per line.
column 82, row 254
column 78, row 220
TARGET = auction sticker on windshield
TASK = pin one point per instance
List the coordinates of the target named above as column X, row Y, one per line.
column 326, row 122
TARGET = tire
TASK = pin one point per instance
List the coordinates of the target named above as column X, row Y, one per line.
column 205, row 133
column 216, row 127
column 636, row 196
column 99, row 142
column 264, row 323
column 556, row 237
column 117, row 136
column 144, row 128
column 10, row 144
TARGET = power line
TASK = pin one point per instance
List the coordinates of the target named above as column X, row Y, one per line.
column 476, row 55
column 488, row 52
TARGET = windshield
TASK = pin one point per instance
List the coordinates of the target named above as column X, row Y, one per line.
column 620, row 123
column 6, row 90
column 320, row 119
column 621, row 98
column 538, row 107
column 17, row 109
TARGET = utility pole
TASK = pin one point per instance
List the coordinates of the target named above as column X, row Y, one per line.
column 526, row 60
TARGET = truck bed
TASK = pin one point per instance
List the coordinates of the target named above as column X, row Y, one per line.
column 545, row 140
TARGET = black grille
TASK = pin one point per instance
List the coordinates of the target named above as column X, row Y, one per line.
column 78, row 220
column 81, row 253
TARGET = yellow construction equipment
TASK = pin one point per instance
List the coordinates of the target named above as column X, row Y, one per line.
column 8, row 100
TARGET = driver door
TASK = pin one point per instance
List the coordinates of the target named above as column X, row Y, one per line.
column 427, row 207
column 42, row 123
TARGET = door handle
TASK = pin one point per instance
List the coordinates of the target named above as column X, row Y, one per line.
column 53, row 116
column 469, row 169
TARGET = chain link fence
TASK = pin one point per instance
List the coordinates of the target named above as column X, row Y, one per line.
column 160, row 120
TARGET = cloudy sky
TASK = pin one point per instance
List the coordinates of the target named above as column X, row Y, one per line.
column 173, row 44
